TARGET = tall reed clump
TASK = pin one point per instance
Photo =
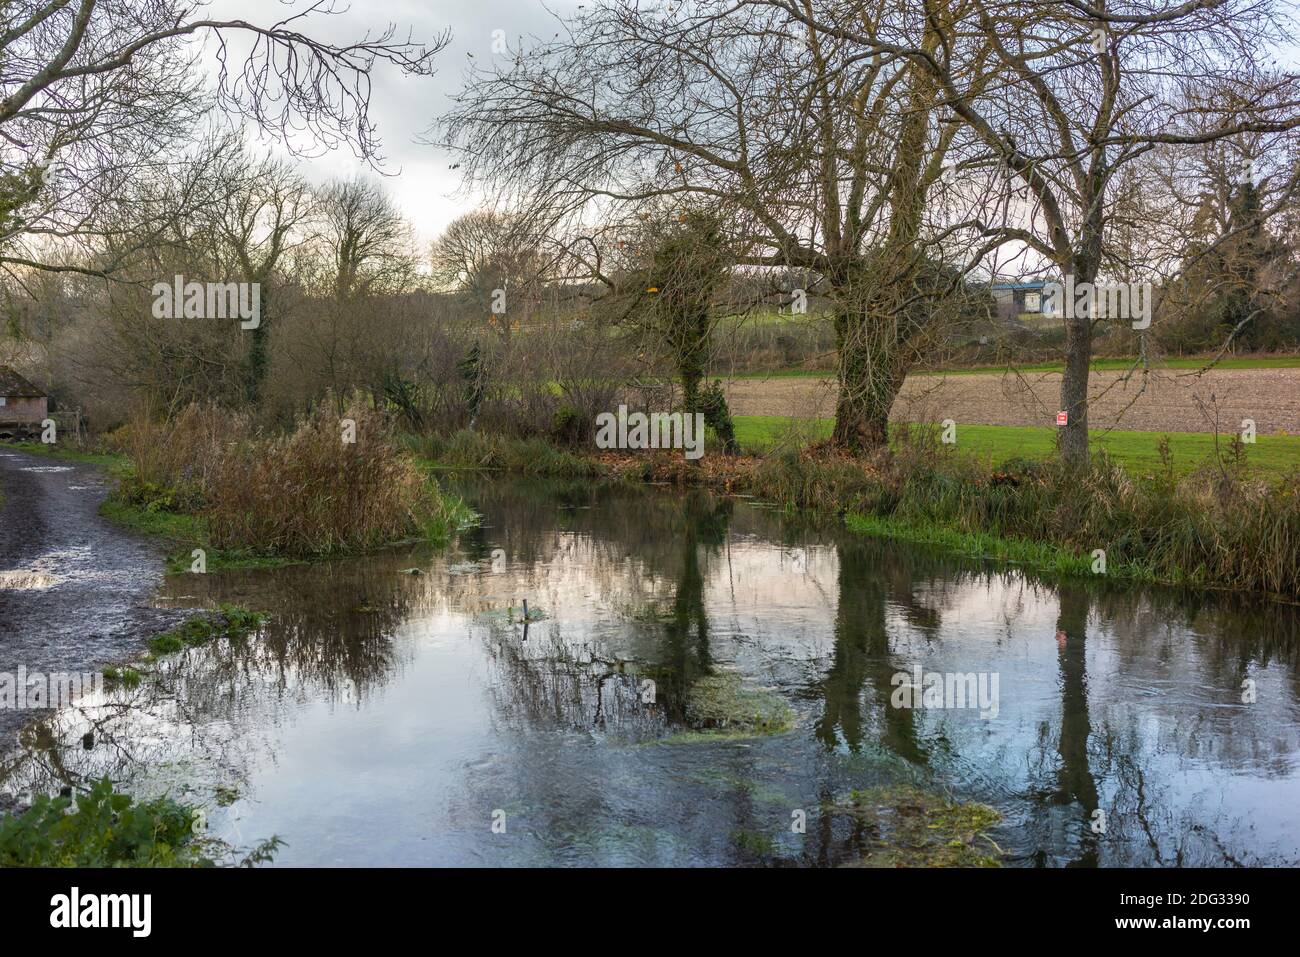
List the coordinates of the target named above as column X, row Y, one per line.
column 172, row 461
column 312, row 493
column 302, row 494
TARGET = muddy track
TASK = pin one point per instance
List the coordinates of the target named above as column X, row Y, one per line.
column 1171, row 400
column 75, row 591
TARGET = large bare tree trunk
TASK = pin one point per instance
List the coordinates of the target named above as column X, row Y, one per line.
column 1078, row 351
column 1074, row 390
column 872, row 339
column 869, row 381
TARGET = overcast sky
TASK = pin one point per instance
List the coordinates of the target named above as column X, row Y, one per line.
column 403, row 107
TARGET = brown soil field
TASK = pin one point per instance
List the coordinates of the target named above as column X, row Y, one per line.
column 1159, row 401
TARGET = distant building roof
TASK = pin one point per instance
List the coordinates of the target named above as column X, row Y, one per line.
column 1020, row 285
column 12, row 384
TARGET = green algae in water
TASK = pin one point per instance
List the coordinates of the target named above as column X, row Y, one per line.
column 914, row 828
column 231, row 621
column 723, row 781
column 723, row 705
column 754, row 844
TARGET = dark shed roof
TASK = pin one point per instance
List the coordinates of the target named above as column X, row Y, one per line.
column 12, row 384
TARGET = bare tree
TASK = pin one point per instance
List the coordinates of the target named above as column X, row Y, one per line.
column 95, row 93
column 818, row 155
column 1084, row 90
column 365, row 239
column 1216, row 224
column 261, row 222
column 498, row 261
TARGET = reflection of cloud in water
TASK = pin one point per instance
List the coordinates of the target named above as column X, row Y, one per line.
column 381, row 717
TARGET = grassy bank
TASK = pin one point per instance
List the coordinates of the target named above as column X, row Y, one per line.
column 1212, row 527
column 1271, row 456
column 1098, row 365
column 335, row 485
column 208, row 480
column 182, row 533
column 1041, row 556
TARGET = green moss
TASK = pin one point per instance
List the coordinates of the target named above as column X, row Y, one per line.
column 230, row 622
column 913, row 828
column 725, row 782
column 127, row 677
column 723, row 705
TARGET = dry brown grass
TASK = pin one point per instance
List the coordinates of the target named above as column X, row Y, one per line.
column 305, row 493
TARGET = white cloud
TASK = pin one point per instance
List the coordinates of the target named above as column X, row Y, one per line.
column 403, row 107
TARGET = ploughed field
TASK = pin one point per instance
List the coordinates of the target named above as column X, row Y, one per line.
column 1165, row 400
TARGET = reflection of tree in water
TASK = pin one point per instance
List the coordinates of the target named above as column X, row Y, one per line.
column 1079, row 763
column 554, row 678
column 328, row 637
column 1240, row 635
column 635, row 523
column 870, row 578
column 1102, row 756
column 1075, row 782
column 181, row 715
column 542, row 679
column 329, row 634
column 683, row 655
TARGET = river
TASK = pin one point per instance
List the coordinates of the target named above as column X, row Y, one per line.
column 386, row 716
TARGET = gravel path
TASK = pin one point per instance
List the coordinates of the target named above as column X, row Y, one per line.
column 1165, row 401
column 74, row 589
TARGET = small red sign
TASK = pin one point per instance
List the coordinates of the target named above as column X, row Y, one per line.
column 1062, row 418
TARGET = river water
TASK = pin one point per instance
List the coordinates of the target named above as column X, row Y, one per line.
column 389, row 717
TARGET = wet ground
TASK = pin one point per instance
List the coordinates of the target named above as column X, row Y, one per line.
column 703, row 681
column 76, row 593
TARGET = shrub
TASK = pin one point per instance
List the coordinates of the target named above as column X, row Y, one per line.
column 809, row 480
column 101, row 829
column 311, row 493
column 306, row 493
column 172, row 461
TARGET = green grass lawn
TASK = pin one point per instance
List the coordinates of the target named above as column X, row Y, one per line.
column 1098, row 365
column 1136, row 451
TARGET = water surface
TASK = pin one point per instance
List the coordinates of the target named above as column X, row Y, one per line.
column 386, row 717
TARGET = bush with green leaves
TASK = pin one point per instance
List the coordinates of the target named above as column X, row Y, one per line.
column 102, row 828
